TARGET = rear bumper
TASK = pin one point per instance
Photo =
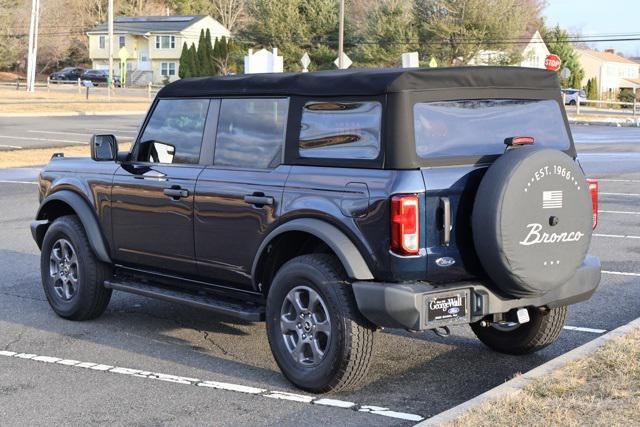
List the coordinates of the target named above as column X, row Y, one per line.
column 404, row 305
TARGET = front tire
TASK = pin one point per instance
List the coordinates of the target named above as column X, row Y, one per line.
column 318, row 337
column 543, row 329
column 72, row 277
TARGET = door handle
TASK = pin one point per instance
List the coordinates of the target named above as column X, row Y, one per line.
column 176, row 192
column 258, row 199
column 445, row 205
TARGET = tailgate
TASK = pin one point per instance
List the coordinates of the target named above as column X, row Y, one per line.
column 450, row 193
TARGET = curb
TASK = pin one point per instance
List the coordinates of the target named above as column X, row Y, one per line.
column 613, row 123
column 516, row 385
column 75, row 113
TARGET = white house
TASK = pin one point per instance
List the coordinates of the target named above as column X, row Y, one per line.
column 154, row 44
column 533, row 51
column 613, row 72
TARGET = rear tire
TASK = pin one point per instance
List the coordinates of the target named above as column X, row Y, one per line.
column 317, row 352
column 72, row 277
column 542, row 330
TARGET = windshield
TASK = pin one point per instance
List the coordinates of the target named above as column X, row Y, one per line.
column 479, row 127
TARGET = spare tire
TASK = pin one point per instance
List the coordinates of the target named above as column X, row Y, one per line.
column 532, row 220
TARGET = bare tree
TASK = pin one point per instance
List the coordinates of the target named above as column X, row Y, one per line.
column 230, row 13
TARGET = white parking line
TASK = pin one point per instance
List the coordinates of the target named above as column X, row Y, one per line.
column 117, row 130
column 620, row 212
column 618, row 180
column 25, row 138
column 2, row 181
column 617, row 236
column 620, row 273
column 579, row 329
column 78, row 134
column 11, row 146
column 300, row 398
column 60, row 133
column 621, row 194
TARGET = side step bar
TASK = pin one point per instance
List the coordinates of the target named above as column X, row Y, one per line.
column 246, row 311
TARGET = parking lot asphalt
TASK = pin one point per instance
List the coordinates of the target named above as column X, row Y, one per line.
column 411, row 375
column 41, row 132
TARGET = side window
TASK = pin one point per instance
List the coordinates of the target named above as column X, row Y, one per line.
column 341, row 130
column 174, row 132
column 251, row 133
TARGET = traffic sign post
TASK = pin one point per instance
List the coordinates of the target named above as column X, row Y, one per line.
column 305, row 61
column 552, row 62
column 343, row 62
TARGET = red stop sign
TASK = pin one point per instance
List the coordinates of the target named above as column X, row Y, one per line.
column 552, row 62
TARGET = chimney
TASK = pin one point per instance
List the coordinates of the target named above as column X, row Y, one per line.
column 611, row 51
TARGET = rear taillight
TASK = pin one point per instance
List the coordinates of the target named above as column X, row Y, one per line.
column 593, row 190
column 405, row 224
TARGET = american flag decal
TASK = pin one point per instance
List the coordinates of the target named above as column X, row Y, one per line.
column 552, row 199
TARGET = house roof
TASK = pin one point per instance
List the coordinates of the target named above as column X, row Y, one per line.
column 634, row 82
column 356, row 82
column 607, row 56
column 149, row 24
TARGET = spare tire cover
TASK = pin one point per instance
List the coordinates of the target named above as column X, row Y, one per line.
column 532, row 220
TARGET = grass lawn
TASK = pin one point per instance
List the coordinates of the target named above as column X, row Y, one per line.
column 41, row 101
column 41, row 156
column 601, row 390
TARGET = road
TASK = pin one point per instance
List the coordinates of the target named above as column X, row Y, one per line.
column 412, row 374
column 30, row 132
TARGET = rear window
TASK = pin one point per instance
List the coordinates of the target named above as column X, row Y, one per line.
column 479, row 127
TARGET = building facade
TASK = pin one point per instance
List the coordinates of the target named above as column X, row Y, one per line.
column 532, row 51
column 613, row 72
column 152, row 44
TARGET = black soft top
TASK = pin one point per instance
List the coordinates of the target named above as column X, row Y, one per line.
column 358, row 82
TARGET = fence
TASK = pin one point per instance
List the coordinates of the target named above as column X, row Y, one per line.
column 150, row 90
column 632, row 106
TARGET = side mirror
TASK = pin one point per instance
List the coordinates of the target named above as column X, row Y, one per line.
column 104, row 148
column 122, row 156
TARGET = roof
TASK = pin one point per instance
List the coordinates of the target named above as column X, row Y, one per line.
column 607, row 56
column 363, row 82
column 634, row 82
column 149, row 24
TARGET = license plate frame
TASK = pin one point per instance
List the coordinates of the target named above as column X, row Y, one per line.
column 447, row 308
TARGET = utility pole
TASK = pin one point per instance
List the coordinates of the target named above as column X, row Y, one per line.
column 341, row 37
column 110, row 36
column 33, row 45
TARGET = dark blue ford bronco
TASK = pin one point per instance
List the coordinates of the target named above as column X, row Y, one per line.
column 331, row 204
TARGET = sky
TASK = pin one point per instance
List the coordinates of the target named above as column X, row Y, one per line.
column 598, row 17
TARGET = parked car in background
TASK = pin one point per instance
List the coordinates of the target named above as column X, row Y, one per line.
column 68, row 73
column 573, row 96
column 99, row 77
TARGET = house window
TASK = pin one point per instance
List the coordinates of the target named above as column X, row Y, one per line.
column 121, row 41
column 168, row 68
column 102, row 42
column 165, row 42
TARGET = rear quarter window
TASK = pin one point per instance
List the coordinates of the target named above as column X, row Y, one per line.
column 340, row 130
column 479, row 127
